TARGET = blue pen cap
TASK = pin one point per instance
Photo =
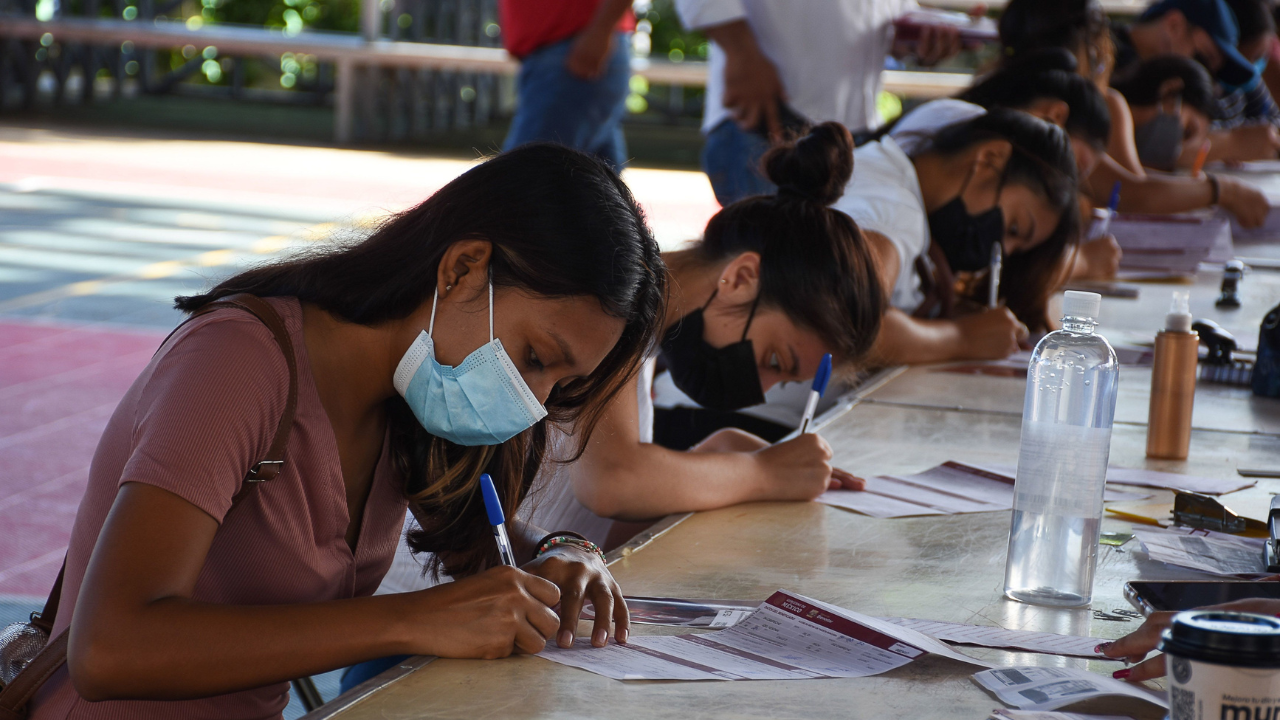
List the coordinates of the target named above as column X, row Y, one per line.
column 1114, row 201
column 491, row 503
column 824, row 375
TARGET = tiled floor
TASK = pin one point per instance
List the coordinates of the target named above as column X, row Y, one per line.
column 98, row 233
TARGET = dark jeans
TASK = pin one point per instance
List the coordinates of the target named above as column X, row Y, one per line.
column 553, row 105
column 731, row 160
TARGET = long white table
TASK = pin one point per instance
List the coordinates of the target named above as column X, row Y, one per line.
column 943, row 568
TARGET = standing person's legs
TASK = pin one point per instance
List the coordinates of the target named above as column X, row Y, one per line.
column 556, row 106
column 731, row 160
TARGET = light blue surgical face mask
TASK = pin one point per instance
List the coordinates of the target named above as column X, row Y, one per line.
column 483, row 401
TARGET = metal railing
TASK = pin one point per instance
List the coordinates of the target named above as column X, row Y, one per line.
column 359, row 61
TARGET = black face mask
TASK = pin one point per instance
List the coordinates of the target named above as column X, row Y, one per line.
column 716, row 378
column 966, row 239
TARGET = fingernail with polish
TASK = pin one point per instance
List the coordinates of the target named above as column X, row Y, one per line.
column 566, row 638
column 1122, row 674
column 1102, row 647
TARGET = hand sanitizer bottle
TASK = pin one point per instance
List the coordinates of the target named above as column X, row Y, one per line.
column 1062, row 464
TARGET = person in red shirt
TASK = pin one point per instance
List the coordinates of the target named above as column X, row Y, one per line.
column 575, row 72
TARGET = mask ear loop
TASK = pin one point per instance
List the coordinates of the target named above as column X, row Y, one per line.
column 435, row 299
column 491, row 306
column 752, row 316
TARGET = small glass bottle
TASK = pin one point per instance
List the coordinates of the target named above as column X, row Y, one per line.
column 1062, row 464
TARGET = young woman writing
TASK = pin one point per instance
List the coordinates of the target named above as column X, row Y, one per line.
column 776, row 282
column 425, row 354
column 1045, row 84
column 932, row 202
column 1081, row 27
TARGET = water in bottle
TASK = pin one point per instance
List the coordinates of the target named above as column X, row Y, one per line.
column 1062, row 464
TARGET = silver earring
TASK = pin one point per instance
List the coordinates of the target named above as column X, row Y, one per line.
column 447, row 288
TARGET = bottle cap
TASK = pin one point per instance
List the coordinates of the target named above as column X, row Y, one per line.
column 1081, row 304
column 1179, row 317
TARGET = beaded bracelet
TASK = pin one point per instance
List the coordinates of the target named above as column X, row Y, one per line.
column 571, row 541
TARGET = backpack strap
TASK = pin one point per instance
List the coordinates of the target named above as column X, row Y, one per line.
column 15, row 696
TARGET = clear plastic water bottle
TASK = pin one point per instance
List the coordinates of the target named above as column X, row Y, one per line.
column 1062, row 465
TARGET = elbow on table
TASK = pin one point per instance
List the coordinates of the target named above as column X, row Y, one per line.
column 96, row 668
column 606, row 498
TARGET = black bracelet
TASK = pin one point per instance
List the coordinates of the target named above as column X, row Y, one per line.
column 1217, row 189
column 558, row 533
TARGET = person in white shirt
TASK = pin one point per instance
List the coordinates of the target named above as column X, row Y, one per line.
column 933, row 195
column 773, row 59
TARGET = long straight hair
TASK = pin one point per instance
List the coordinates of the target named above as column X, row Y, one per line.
column 1041, row 160
column 562, row 224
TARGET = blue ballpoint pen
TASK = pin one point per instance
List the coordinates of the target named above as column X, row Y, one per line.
column 815, row 392
column 997, row 266
column 1112, row 204
column 497, row 519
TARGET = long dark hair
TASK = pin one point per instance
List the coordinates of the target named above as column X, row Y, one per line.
column 1047, row 73
column 1140, row 84
column 1077, row 25
column 562, row 224
column 815, row 265
column 1042, row 161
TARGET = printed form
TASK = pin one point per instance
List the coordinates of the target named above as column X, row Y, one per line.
column 1049, row 688
column 789, row 637
column 997, row 637
column 948, row 489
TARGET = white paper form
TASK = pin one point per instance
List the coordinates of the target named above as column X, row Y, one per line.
column 1174, row 481
column 946, row 489
column 1203, row 550
column 788, row 637
column 997, row 637
column 1004, row 714
column 1049, row 688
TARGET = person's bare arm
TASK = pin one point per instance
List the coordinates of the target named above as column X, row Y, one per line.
column 1121, row 147
column 752, row 88
column 590, row 52
column 620, row 477
column 1242, row 144
column 904, row 340
column 1159, row 193
column 138, row 634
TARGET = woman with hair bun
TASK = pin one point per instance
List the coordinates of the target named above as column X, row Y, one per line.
column 776, row 282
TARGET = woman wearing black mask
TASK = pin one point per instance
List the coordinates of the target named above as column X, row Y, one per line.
column 934, row 196
column 776, row 282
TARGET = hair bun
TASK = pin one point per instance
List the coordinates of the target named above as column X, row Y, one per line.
column 815, row 167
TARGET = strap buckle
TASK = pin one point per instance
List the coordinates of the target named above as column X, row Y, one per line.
column 264, row 470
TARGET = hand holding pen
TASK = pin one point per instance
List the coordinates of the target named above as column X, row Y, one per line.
column 580, row 576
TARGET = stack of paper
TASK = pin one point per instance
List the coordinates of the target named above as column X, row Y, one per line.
column 1203, row 550
column 1172, row 243
column 1049, row 688
column 789, row 637
column 948, row 489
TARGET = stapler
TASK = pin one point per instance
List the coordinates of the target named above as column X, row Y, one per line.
column 1201, row 511
column 1219, row 342
column 1231, row 276
column 1271, row 551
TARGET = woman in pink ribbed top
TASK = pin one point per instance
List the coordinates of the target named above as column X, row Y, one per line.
column 184, row 604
